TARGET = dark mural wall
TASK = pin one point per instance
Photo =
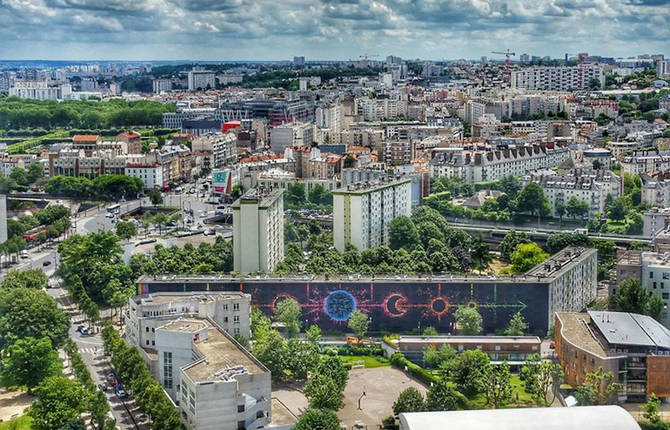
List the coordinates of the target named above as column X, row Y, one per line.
column 392, row 305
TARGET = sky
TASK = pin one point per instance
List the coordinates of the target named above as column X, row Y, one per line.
column 328, row 29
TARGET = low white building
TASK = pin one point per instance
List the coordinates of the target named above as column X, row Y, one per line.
column 231, row 310
column 215, row 382
column 150, row 173
column 3, row 218
column 656, row 279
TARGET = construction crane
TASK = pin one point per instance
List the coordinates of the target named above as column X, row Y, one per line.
column 507, row 55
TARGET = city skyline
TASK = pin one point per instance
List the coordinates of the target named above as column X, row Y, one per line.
column 238, row 30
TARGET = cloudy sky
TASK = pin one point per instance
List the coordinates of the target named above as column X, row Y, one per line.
column 327, row 29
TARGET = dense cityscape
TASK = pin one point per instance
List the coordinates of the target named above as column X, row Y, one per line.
column 370, row 241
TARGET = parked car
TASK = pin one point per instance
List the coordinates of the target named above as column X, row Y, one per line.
column 209, row 232
column 120, row 393
column 46, row 263
column 111, row 379
column 103, row 386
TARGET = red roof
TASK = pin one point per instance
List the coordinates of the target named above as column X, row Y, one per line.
column 85, row 138
column 130, row 134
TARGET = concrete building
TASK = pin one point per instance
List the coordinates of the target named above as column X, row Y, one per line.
column 558, row 78
column 566, row 282
column 151, row 174
column 162, row 85
column 589, row 186
column 480, row 166
column 513, row 349
column 586, row 417
column 289, row 135
column 258, row 230
column 654, row 221
column 656, row 279
column 635, row 348
column 380, row 109
column 215, row 382
column 362, row 212
column 3, row 218
column 656, row 191
column 40, row 90
column 628, row 266
column 218, row 149
column 199, row 79
column 230, row 310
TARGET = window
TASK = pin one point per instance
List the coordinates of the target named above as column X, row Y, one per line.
column 225, row 307
column 147, row 342
column 651, row 275
column 241, row 425
column 153, row 330
column 240, row 408
column 147, row 329
column 666, row 296
column 236, row 331
column 654, row 284
column 236, row 306
column 236, row 319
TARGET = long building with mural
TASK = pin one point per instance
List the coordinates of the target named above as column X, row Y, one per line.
column 564, row 283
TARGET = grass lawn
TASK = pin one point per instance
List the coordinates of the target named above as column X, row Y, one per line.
column 20, row 423
column 479, row 401
column 368, row 360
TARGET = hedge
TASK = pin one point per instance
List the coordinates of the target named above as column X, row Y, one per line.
column 398, row 360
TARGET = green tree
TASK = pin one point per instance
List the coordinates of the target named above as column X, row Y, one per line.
column 497, row 383
column 31, row 313
column 598, row 387
column 442, row 396
column 28, row 361
column 318, row 419
column 271, row 350
column 480, row 252
column 20, row 176
column 618, row 209
column 409, row 400
column 295, row 195
column 651, row 410
column 510, row 241
column 35, row 172
column 434, row 358
column 466, row 370
column 577, row 208
column 517, row 325
column 323, row 392
column 156, row 197
column 531, row 199
column 469, row 320
column 59, row 401
column 540, row 379
column 403, row 233
column 526, row 256
column 287, row 312
column 632, row 297
column 126, row 229
column 314, row 334
column 32, row 278
column 359, row 322
column 430, row 331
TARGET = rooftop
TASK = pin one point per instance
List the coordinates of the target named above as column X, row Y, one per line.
column 597, row 417
column 261, row 195
column 576, row 330
column 470, row 339
column 160, row 298
column 623, row 328
column 560, row 262
column 222, row 357
column 378, row 184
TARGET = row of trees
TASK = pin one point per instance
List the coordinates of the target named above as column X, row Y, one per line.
column 16, row 113
column 32, row 328
column 104, row 187
column 136, row 377
column 318, row 197
column 21, row 179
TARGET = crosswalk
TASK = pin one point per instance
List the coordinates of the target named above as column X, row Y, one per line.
column 93, row 350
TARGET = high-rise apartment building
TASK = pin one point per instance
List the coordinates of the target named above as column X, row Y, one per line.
column 199, row 79
column 258, row 230
column 362, row 211
column 161, row 85
column 3, row 218
column 558, row 78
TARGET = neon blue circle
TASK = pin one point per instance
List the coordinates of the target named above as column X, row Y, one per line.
column 339, row 305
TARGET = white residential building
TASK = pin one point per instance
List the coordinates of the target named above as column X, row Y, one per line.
column 589, row 186
column 481, row 166
column 201, row 79
column 289, row 135
column 656, row 279
column 654, row 221
column 362, row 212
column 217, row 384
column 150, row 173
column 3, row 218
column 645, row 162
column 557, row 78
column 656, row 192
column 161, row 85
column 40, row 90
column 258, row 230
column 231, row 310
column 380, row 109
column 221, row 147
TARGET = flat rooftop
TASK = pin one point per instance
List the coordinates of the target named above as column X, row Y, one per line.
column 471, row 339
column 560, row 262
column 222, row 358
column 623, row 328
column 264, row 197
column 203, row 297
column 184, row 325
column 597, row 417
column 366, row 187
column 576, row 330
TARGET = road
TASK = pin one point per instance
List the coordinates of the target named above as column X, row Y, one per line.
column 91, row 351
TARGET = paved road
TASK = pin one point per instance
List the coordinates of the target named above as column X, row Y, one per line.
column 92, row 353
